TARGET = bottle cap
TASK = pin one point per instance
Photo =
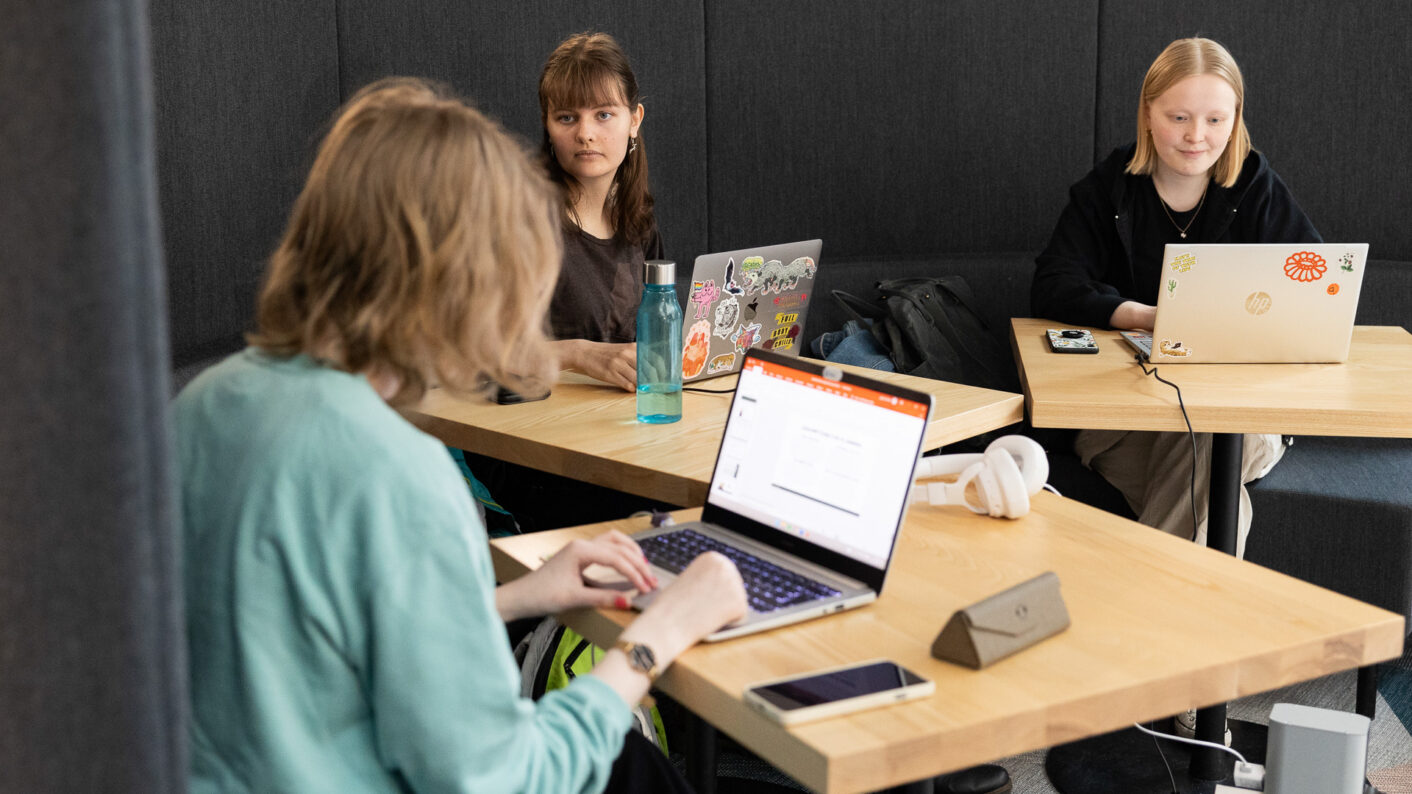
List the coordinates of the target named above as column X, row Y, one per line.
column 659, row 271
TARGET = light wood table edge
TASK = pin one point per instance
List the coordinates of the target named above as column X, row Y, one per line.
column 641, row 481
column 930, row 752
column 1163, row 414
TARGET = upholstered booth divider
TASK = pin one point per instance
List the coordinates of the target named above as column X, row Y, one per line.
column 492, row 53
column 241, row 91
column 92, row 663
column 896, row 128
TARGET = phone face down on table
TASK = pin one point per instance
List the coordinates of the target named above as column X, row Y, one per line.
column 1071, row 340
column 504, row 396
column 841, row 690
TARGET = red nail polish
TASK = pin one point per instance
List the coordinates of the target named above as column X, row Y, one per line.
column 622, row 602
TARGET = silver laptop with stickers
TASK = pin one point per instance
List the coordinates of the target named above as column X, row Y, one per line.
column 750, row 298
column 1256, row 303
column 808, row 493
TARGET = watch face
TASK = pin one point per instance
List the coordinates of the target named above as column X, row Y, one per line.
column 641, row 658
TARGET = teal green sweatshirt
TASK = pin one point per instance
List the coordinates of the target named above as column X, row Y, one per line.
column 340, row 604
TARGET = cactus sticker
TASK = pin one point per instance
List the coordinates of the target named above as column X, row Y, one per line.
column 1171, row 287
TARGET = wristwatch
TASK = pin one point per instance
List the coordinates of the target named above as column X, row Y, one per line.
column 640, row 657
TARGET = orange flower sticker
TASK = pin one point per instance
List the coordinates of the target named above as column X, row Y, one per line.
column 1305, row 266
column 1333, row 289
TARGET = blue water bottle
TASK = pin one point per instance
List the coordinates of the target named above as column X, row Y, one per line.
column 659, row 345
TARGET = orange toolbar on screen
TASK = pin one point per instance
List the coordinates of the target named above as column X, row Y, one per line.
column 899, row 404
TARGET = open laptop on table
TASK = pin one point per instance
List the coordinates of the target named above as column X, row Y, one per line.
column 1255, row 303
column 808, row 492
column 750, row 298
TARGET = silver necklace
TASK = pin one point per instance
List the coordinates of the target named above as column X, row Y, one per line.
column 1182, row 229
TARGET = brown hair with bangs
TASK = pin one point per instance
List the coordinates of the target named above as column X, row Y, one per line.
column 423, row 249
column 587, row 70
column 1181, row 59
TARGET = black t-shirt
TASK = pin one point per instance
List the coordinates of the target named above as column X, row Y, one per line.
column 1152, row 231
column 599, row 287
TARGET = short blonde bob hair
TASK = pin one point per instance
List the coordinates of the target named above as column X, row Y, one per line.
column 424, row 248
column 1184, row 58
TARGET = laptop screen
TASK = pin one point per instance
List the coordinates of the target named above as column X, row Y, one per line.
column 825, row 460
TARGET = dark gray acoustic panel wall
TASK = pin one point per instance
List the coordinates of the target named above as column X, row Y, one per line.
column 493, row 53
column 92, row 692
column 896, row 127
column 243, row 90
column 1327, row 86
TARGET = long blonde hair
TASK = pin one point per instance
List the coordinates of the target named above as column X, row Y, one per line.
column 424, row 247
column 1181, row 59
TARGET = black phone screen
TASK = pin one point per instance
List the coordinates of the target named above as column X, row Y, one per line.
column 837, row 685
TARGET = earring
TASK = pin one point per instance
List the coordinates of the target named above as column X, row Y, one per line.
column 632, row 148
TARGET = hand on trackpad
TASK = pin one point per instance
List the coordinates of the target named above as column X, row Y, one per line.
column 597, row 575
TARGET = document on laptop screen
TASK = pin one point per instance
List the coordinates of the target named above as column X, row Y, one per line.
column 825, row 461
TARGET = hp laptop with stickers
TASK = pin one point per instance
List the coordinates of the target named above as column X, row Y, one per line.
column 1256, row 303
column 808, row 493
column 751, row 298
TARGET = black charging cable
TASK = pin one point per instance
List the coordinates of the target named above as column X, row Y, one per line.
column 708, row 391
column 1190, row 434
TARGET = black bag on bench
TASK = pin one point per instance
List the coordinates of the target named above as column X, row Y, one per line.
column 930, row 328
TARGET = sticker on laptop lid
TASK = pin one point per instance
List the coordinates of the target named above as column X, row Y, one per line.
column 1333, row 288
column 1184, row 262
column 696, row 349
column 746, row 337
column 750, row 273
column 727, row 317
column 703, row 294
column 1305, row 266
column 778, row 277
column 729, row 284
column 1347, row 260
column 1171, row 288
column 782, row 338
column 1170, row 348
column 721, row 363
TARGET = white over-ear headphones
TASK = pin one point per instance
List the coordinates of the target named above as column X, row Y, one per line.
column 1003, row 478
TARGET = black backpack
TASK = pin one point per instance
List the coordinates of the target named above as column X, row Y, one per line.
column 930, row 328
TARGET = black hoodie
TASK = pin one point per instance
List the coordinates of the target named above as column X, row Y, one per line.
column 1087, row 269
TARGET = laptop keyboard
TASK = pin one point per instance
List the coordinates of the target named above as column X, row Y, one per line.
column 768, row 587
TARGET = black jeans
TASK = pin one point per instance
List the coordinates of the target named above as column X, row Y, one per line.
column 641, row 768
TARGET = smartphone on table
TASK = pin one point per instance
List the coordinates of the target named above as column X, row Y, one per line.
column 1071, row 340
column 835, row 691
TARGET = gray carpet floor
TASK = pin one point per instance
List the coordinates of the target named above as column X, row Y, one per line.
column 1389, row 743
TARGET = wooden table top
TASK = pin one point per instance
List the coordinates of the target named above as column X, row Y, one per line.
column 1368, row 395
column 1159, row 625
column 589, row 431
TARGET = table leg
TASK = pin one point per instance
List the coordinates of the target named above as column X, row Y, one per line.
column 1222, row 528
column 701, row 755
column 1366, row 702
